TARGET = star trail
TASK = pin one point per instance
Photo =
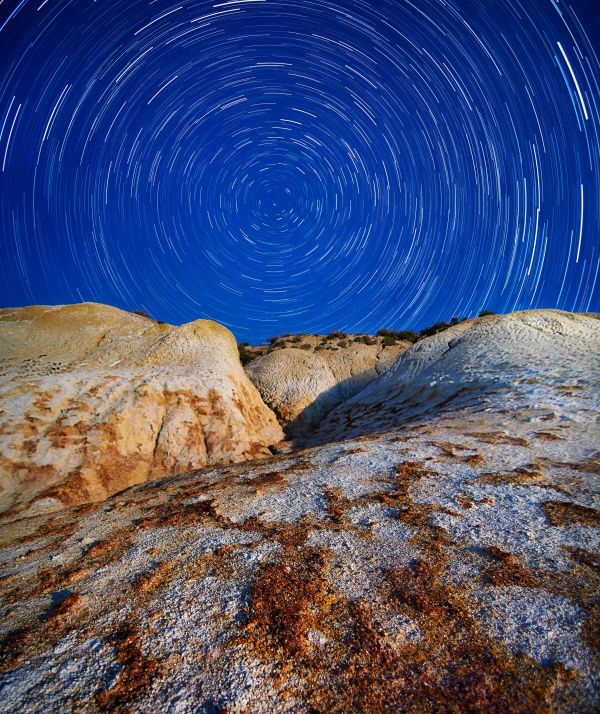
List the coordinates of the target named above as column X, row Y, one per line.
column 300, row 165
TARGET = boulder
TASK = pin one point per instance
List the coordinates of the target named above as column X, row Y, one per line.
column 533, row 357
column 302, row 386
column 94, row 399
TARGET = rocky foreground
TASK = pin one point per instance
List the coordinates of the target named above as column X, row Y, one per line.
column 442, row 554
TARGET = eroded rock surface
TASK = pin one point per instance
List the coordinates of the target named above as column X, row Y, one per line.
column 545, row 359
column 94, row 399
column 448, row 565
column 303, row 385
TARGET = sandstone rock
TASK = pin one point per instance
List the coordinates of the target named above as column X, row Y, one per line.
column 498, row 358
column 447, row 565
column 302, row 386
column 94, row 399
column 282, row 447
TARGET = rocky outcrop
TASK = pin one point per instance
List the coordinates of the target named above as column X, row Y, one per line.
column 447, row 565
column 302, row 384
column 94, row 399
column 530, row 359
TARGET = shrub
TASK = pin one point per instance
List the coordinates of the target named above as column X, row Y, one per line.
column 337, row 335
column 434, row 329
column 342, row 343
column 365, row 339
column 484, row 313
column 397, row 335
column 147, row 315
column 245, row 356
column 304, row 347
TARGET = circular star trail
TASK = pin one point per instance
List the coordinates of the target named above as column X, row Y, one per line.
column 300, row 165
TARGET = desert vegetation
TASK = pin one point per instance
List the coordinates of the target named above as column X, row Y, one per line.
column 337, row 339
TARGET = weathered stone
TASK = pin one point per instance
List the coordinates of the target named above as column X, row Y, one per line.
column 95, row 399
column 303, row 386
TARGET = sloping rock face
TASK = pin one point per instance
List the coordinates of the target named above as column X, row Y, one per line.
column 95, row 399
column 448, row 565
column 530, row 357
column 303, row 386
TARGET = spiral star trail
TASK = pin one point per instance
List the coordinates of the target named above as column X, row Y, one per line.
column 300, row 165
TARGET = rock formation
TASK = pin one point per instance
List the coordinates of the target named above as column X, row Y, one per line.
column 94, row 399
column 302, row 385
column 448, row 563
column 530, row 359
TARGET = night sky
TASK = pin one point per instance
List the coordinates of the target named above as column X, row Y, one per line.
column 300, row 165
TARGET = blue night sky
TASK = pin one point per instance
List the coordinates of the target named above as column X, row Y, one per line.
column 300, row 165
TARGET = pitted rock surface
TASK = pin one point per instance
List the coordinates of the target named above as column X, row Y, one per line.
column 451, row 563
column 94, row 399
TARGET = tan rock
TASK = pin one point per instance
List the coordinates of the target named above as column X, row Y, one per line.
column 95, row 399
column 302, row 386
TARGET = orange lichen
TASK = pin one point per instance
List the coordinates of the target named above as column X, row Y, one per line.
column 349, row 452
column 152, row 578
column 562, row 513
column 412, row 513
column 498, row 437
column 337, row 505
column 528, row 475
column 585, row 557
column 266, row 480
column 413, row 587
column 342, row 654
column 66, row 607
column 507, row 569
column 464, row 501
column 452, row 667
column 449, row 449
column 591, row 466
column 283, row 596
column 135, row 677
column 570, row 390
column 547, row 436
column 173, row 513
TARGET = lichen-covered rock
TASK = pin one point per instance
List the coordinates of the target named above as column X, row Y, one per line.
column 94, row 399
column 449, row 566
column 302, row 386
